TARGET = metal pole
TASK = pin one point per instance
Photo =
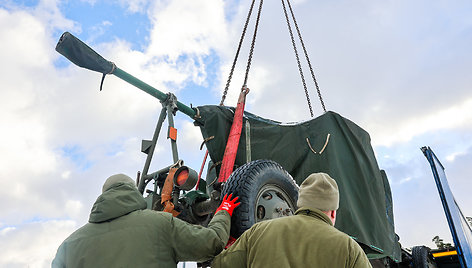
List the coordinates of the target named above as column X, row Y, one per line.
column 173, row 143
column 150, row 152
column 151, row 90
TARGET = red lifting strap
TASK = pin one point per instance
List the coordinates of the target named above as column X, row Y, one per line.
column 233, row 139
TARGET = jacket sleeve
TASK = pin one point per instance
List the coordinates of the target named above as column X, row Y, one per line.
column 197, row 243
column 235, row 255
column 58, row 261
column 358, row 257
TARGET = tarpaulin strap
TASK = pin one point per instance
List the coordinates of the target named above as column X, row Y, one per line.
column 324, row 146
column 201, row 170
column 326, row 143
column 103, row 76
column 166, row 195
column 197, row 114
column 248, row 141
column 205, row 141
column 215, row 165
column 233, row 139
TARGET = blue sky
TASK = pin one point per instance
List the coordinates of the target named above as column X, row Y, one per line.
column 399, row 69
column 104, row 21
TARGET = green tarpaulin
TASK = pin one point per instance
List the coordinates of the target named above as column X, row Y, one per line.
column 329, row 143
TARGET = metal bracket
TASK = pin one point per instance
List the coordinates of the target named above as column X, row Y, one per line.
column 171, row 103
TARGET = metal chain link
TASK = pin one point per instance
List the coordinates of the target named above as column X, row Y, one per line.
column 248, row 66
column 298, row 59
column 294, row 47
column 237, row 54
column 306, row 56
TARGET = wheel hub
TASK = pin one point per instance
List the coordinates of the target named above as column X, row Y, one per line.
column 272, row 203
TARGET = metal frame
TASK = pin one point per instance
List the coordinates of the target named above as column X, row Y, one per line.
column 169, row 108
column 461, row 233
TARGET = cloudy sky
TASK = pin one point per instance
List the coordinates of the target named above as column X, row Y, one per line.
column 399, row 69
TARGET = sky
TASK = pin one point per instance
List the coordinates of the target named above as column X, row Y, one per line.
column 399, row 69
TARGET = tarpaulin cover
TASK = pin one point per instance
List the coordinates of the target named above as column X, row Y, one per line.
column 329, row 143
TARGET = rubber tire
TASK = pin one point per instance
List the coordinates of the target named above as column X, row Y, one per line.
column 421, row 257
column 247, row 181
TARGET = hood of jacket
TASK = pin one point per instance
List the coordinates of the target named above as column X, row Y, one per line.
column 119, row 200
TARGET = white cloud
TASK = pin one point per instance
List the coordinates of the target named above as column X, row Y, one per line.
column 451, row 157
column 180, row 49
column 33, row 244
column 48, row 12
column 190, row 135
column 73, row 208
column 457, row 116
column 135, row 6
column 200, row 27
column 66, row 174
column 6, row 230
column 90, row 2
column 407, row 179
column 25, row 76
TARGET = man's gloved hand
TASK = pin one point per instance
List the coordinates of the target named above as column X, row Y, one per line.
column 228, row 204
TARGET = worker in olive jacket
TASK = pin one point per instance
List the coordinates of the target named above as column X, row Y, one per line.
column 307, row 239
column 122, row 233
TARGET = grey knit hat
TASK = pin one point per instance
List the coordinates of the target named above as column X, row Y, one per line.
column 116, row 179
column 319, row 191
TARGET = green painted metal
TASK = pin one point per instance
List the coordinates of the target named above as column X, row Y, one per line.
column 151, row 90
column 84, row 56
column 196, row 195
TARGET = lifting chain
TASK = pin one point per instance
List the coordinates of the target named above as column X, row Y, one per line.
column 248, row 66
column 237, row 54
column 251, row 51
column 298, row 59
column 306, row 56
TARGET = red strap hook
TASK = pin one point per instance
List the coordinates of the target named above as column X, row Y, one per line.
column 233, row 139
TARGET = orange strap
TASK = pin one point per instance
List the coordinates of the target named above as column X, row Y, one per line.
column 166, row 195
column 169, row 207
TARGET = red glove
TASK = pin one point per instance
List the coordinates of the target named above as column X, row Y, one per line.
column 228, row 204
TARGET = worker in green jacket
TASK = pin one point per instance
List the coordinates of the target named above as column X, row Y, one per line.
column 307, row 239
column 122, row 233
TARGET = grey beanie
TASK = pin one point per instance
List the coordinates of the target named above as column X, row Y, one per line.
column 319, row 191
column 116, row 179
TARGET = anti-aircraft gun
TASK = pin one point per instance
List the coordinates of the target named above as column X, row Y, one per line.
column 173, row 184
column 269, row 159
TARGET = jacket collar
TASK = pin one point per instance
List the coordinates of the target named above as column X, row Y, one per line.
column 315, row 213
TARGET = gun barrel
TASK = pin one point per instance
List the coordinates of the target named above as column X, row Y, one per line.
column 151, row 91
column 83, row 56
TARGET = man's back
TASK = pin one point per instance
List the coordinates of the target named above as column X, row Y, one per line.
column 121, row 233
column 117, row 241
column 296, row 241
